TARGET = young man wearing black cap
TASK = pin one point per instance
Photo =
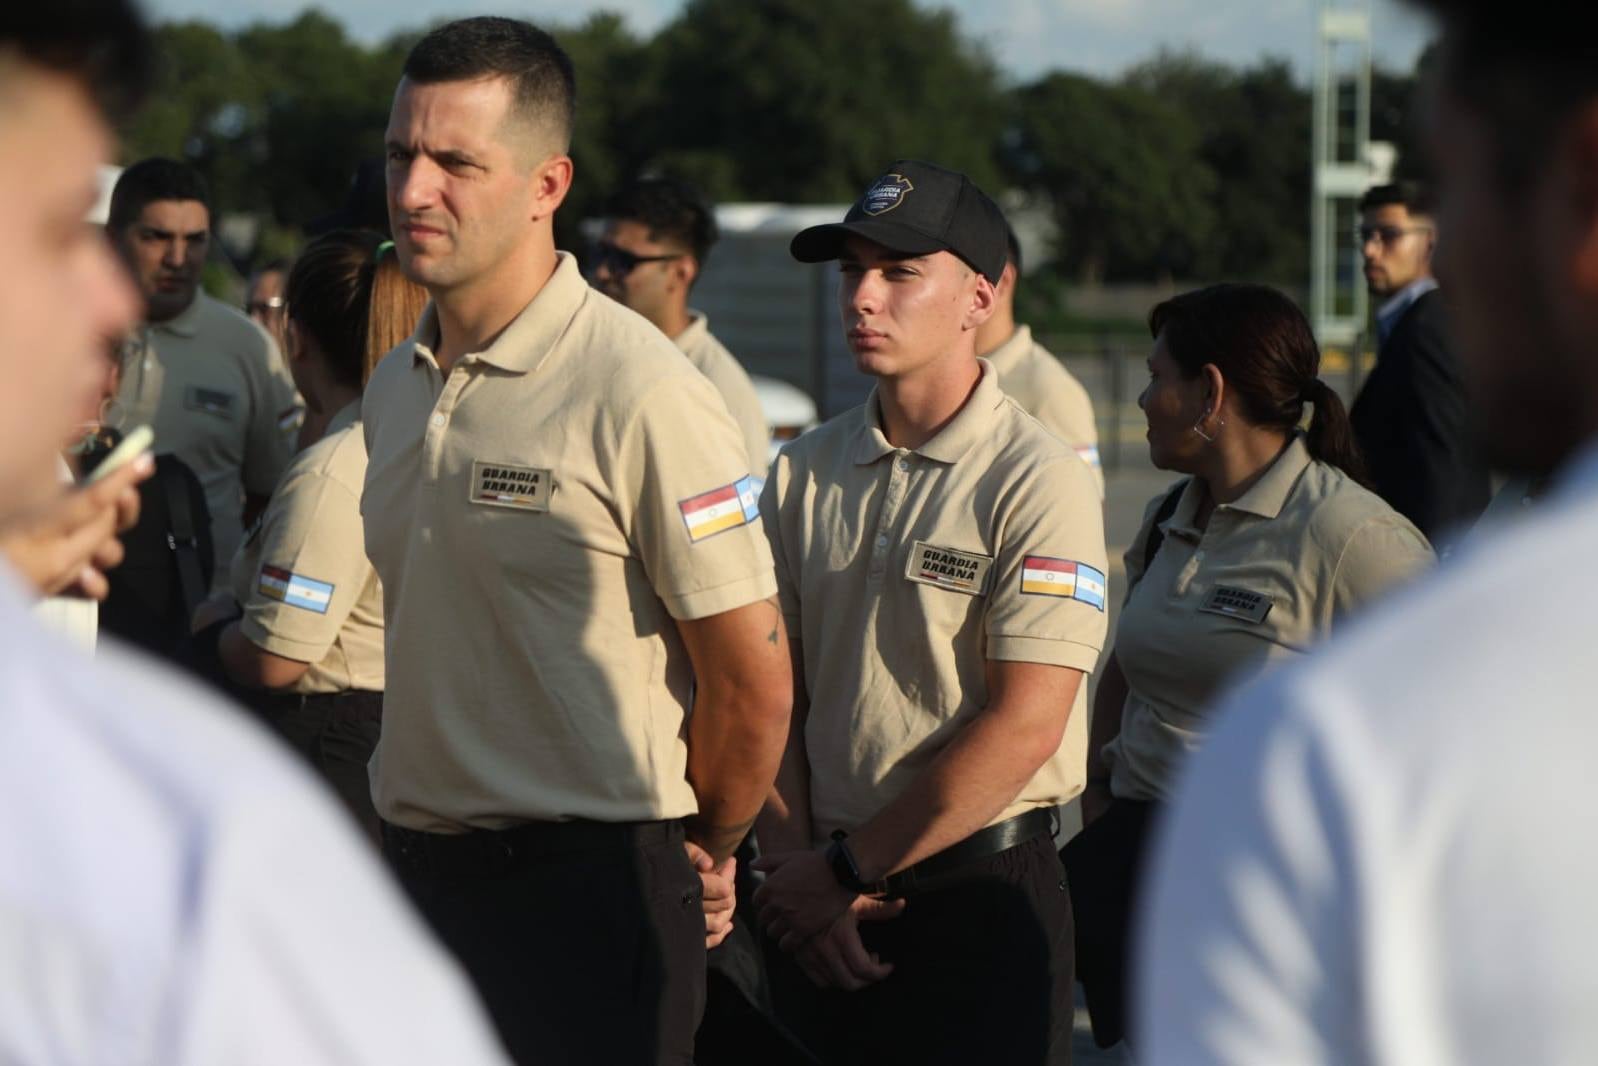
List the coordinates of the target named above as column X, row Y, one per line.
column 940, row 559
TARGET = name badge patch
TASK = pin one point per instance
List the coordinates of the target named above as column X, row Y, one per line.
column 296, row 590
column 1042, row 575
column 949, row 568
column 1237, row 603
column 721, row 509
column 519, row 488
column 214, row 401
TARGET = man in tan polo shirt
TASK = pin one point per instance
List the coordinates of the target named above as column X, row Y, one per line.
column 208, row 380
column 657, row 235
column 1030, row 374
column 558, row 509
column 941, row 563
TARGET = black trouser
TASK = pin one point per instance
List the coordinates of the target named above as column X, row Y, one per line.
column 981, row 974
column 586, row 940
column 1106, row 862
column 337, row 732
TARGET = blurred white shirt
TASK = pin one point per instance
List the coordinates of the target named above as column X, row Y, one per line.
column 1389, row 853
column 174, row 891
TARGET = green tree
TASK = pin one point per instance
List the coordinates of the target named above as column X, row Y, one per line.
column 1131, row 193
column 806, row 100
column 1254, row 132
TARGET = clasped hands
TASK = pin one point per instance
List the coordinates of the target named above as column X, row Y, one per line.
column 817, row 920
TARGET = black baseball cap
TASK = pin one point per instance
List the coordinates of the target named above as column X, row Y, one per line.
column 917, row 209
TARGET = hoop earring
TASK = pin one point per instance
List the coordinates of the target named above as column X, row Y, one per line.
column 112, row 413
column 1219, row 425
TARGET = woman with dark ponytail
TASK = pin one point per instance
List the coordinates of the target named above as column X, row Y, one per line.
column 301, row 631
column 1266, row 545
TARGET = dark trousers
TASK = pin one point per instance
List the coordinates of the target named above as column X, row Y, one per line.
column 337, row 733
column 585, row 940
column 1106, row 863
column 982, row 974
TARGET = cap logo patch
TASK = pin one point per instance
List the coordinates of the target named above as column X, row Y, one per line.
column 887, row 194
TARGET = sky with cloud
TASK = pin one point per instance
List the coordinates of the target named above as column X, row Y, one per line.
column 1028, row 37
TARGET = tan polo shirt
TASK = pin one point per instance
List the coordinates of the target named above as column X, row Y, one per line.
column 213, row 387
column 903, row 571
column 714, row 361
column 539, row 517
column 1050, row 393
column 301, row 574
column 1272, row 576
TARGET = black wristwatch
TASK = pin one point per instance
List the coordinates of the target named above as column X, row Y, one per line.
column 845, row 869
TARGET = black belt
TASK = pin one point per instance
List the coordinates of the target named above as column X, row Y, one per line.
column 485, row 851
column 982, row 844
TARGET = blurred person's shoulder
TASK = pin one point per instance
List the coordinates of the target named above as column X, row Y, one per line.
column 1333, row 509
column 228, row 329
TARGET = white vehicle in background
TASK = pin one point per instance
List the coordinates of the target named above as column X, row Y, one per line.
column 788, row 409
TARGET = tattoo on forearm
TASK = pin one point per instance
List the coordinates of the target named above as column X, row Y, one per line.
column 776, row 622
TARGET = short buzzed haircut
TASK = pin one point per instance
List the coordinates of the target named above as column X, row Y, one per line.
column 149, row 181
column 671, row 210
column 101, row 43
column 1414, row 196
column 543, row 81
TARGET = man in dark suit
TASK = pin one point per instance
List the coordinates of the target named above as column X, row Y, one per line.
column 1409, row 418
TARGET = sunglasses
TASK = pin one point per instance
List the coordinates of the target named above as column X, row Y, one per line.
column 1386, row 235
column 620, row 262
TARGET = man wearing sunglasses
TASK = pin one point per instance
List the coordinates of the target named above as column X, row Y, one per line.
column 1410, row 416
column 657, row 235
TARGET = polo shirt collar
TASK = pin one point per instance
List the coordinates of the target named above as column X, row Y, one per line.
column 698, row 326
column 522, row 345
column 1267, row 496
column 969, row 425
column 347, row 416
column 185, row 323
column 1010, row 352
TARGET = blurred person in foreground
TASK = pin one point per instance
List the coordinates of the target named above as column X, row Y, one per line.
column 171, row 889
column 587, row 678
column 1389, row 853
column 1409, row 419
column 1267, row 546
column 1031, row 375
column 210, row 382
column 658, row 233
column 301, row 630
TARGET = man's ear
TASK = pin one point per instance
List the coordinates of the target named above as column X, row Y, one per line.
column 686, row 271
column 552, row 180
column 984, row 301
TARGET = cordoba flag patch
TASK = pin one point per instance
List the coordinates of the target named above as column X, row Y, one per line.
column 1042, row 575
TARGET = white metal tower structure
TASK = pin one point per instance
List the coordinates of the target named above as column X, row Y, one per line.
column 1342, row 171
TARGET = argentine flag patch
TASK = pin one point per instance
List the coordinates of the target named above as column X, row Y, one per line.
column 721, row 509
column 1042, row 575
column 296, row 590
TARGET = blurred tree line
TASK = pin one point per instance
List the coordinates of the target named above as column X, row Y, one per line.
column 1180, row 168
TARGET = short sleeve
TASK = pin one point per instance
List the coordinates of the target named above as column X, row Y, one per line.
column 1384, row 552
column 1047, row 603
column 689, row 506
column 274, row 416
column 312, row 568
column 772, row 519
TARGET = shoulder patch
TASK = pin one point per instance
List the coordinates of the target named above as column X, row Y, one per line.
column 721, row 509
column 296, row 590
column 1043, row 575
